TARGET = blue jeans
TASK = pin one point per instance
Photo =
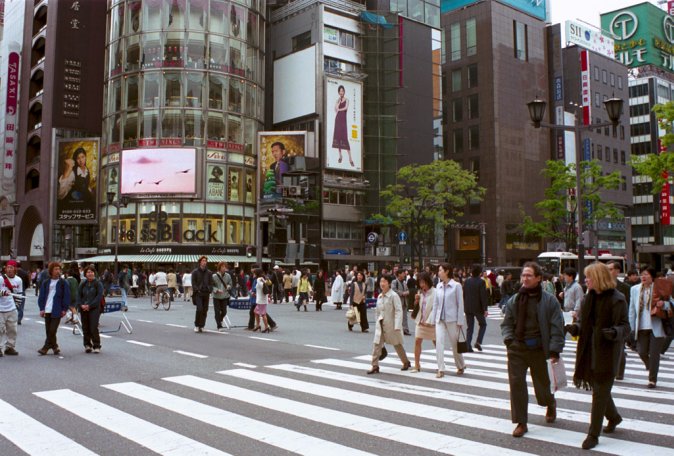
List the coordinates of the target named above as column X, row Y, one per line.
column 19, row 307
column 123, row 290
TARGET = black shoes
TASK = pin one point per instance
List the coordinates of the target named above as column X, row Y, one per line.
column 374, row 370
column 406, row 366
column 11, row 352
column 407, row 333
column 43, row 351
column 610, row 427
column 590, row 442
column 478, row 346
column 551, row 413
column 350, row 326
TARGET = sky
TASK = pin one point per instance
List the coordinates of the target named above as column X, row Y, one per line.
column 586, row 10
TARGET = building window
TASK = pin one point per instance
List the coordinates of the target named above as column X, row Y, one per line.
column 640, row 90
column 331, row 35
column 474, row 137
column 520, row 41
column 471, row 37
column 593, row 152
column 473, row 107
column 599, row 152
column 604, row 76
column 458, row 141
column 622, row 157
column 622, row 132
column 457, row 110
column 415, row 10
column 640, row 129
column 347, row 39
column 455, row 41
column 596, row 73
column 456, row 80
column 620, row 82
column 612, row 79
column 615, row 156
column 472, row 75
column 624, row 184
column 301, row 41
column 597, row 99
column 608, row 154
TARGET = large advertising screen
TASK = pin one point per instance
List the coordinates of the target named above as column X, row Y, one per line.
column 159, row 172
column 276, row 150
column 343, row 124
column 77, row 180
column 295, row 85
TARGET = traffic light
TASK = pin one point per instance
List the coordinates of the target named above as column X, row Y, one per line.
column 249, row 251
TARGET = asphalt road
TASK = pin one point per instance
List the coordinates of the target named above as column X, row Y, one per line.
column 164, row 389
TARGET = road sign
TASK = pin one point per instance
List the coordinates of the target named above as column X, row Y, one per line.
column 372, row 237
column 402, row 236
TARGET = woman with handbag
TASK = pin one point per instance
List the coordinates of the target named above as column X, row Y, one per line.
column 602, row 327
column 357, row 292
column 647, row 326
column 389, row 325
column 449, row 318
column 423, row 314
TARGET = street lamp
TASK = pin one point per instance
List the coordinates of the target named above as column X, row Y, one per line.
column 15, row 208
column 119, row 204
column 614, row 107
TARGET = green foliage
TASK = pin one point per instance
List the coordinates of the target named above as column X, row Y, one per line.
column 556, row 212
column 655, row 165
column 429, row 196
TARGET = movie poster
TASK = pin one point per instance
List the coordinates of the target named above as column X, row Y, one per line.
column 77, row 180
column 234, row 186
column 250, row 188
column 343, row 124
column 215, row 183
column 276, row 149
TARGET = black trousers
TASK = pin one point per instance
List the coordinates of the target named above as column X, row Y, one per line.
column 362, row 310
column 201, row 301
column 278, row 293
column 51, row 326
column 521, row 359
column 470, row 318
column 220, row 310
column 89, row 320
column 649, row 348
column 602, row 406
column 251, row 318
column 623, row 362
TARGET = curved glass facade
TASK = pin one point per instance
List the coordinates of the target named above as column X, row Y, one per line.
column 185, row 74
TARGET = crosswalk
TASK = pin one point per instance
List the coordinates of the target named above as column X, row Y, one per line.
column 494, row 313
column 328, row 406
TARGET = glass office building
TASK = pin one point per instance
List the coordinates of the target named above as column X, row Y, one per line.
column 185, row 75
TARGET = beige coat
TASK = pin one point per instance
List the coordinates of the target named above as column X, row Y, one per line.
column 430, row 299
column 389, row 312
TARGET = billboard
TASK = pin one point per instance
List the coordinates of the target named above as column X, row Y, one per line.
column 643, row 34
column 162, row 171
column 215, row 183
column 275, row 149
column 343, row 124
column 589, row 38
column 77, row 180
column 536, row 8
column 295, row 85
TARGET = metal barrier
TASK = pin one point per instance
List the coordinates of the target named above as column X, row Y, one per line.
column 110, row 307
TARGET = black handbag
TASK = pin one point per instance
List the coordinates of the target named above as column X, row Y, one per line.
column 462, row 345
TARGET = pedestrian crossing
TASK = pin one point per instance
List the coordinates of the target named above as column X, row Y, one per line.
column 494, row 313
column 329, row 406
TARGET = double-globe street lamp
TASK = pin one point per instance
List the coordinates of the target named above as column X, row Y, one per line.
column 124, row 201
column 614, row 107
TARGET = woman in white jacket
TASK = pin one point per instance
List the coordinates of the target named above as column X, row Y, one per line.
column 449, row 318
column 338, row 289
column 423, row 304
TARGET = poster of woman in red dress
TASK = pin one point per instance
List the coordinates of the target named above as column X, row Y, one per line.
column 343, row 124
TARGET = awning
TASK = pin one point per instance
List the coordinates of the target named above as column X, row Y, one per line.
column 169, row 259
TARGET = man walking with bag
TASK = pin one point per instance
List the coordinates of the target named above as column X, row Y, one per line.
column 533, row 332
column 202, row 285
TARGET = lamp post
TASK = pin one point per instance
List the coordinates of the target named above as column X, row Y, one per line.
column 15, row 240
column 118, row 204
column 614, row 108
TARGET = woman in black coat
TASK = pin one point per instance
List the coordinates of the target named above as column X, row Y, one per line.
column 319, row 290
column 603, row 327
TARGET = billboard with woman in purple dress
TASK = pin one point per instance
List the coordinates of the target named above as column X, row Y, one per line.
column 343, row 123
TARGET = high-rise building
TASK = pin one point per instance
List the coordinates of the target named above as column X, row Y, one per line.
column 644, row 42
column 184, row 101
column 495, row 62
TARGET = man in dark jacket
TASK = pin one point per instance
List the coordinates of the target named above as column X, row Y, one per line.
column 476, row 304
column 615, row 268
column 277, row 284
column 202, row 286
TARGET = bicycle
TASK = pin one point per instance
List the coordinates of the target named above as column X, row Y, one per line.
column 164, row 299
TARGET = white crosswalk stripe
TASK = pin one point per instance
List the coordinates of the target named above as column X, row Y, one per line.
column 304, row 408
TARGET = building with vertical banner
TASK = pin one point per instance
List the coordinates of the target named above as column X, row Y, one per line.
column 644, row 42
column 583, row 74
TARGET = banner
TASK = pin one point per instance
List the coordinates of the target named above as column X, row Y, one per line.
column 10, row 114
column 77, row 180
column 275, row 152
column 586, row 93
column 343, row 124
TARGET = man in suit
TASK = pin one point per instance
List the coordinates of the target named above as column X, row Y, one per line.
column 476, row 306
column 616, row 268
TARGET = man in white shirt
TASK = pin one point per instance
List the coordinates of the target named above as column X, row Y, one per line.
column 160, row 281
column 10, row 283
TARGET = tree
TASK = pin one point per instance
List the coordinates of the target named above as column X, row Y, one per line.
column 556, row 219
column 659, row 167
column 428, row 196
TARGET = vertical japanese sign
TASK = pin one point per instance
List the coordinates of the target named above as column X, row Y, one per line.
column 665, row 207
column 585, row 93
column 10, row 114
column 587, row 156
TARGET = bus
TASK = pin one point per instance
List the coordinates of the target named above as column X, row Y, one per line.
column 555, row 262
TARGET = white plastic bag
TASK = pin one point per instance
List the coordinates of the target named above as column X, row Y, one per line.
column 557, row 374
